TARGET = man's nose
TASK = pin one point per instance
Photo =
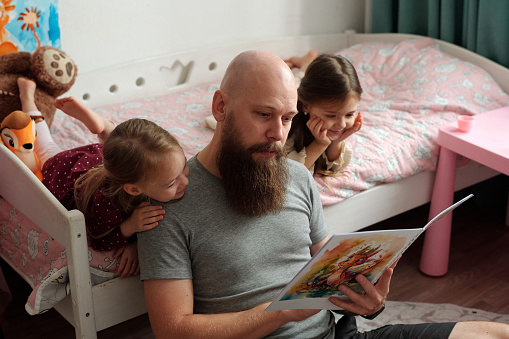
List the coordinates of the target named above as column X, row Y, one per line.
column 276, row 131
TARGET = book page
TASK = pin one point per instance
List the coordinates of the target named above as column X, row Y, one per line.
column 341, row 259
column 446, row 211
column 338, row 262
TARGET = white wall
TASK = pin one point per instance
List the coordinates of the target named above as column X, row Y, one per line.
column 98, row 33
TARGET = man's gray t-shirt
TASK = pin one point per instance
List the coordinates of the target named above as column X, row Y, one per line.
column 237, row 262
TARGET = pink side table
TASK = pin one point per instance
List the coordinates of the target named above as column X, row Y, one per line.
column 487, row 143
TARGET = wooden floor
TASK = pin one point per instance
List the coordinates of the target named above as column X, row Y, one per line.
column 478, row 274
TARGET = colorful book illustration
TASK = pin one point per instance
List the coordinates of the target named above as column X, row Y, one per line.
column 341, row 259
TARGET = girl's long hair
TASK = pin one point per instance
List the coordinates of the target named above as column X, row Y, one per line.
column 132, row 153
column 328, row 79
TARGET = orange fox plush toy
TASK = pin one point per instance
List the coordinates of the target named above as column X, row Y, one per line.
column 19, row 135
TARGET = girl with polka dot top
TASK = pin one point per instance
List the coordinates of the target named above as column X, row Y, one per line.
column 114, row 181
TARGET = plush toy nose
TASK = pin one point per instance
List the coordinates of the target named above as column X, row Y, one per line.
column 28, row 146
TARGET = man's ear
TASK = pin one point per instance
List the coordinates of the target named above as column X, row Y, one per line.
column 218, row 105
column 132, row 189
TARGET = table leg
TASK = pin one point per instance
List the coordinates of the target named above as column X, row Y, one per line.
column 435, row 252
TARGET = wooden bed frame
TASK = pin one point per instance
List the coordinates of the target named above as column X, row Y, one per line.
column 93, row 308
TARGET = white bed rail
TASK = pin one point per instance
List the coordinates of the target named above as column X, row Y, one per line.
column 66, row 227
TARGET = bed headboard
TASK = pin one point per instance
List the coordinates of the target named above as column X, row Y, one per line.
column 173, row 72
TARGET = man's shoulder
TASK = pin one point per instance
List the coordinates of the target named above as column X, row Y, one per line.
column 301, row 179
column 297, row 169
column 193, row 162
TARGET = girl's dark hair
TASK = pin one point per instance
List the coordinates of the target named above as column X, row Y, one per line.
column 328, row 79
column 132, row 153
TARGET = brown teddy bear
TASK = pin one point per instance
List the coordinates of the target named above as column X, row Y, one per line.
column 51, row 69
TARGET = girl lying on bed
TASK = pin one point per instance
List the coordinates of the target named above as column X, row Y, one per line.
column 110, row 182
column 329, row 92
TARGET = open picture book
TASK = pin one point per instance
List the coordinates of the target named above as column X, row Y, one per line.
column 341, row 259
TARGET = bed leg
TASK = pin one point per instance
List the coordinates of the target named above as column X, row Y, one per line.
column 79, row 278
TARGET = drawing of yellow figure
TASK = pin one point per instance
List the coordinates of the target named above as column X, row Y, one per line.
column 62, row 279
column 6, row 45
column 30, row 20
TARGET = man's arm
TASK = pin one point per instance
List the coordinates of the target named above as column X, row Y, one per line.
column 170, row 308
column 316, row 247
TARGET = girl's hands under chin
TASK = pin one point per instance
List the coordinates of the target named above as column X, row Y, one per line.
column 315, row 125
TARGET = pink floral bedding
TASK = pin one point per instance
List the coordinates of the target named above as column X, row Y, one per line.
column 42, row 261
column 410, row 89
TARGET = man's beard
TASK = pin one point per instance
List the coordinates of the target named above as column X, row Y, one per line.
column 254, row 187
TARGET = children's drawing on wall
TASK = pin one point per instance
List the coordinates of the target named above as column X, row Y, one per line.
column 338, row 266
column 26, row 25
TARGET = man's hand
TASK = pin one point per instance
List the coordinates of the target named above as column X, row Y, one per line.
column 369, row 303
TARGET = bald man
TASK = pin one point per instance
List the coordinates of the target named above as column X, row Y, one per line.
column 249, row 221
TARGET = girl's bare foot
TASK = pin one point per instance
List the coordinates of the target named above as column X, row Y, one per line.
column 302, row 62
column 293, row 62
column 27, row 94
column 290, row 63
column 307, row 59
column 76, row 109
